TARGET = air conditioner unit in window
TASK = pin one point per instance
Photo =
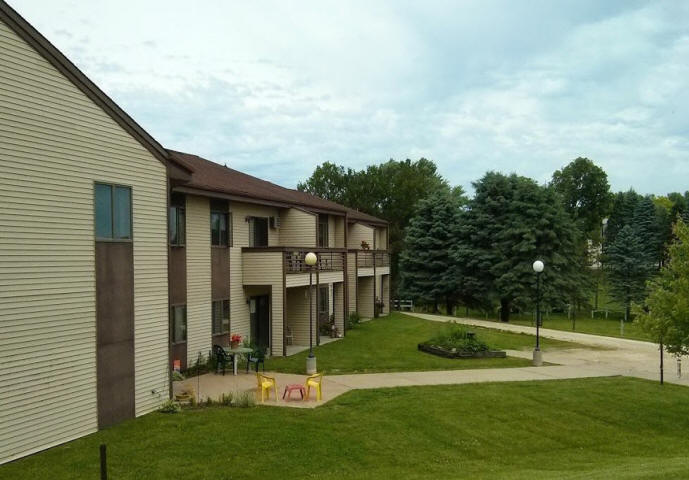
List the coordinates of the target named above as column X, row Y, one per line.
column 275, row 222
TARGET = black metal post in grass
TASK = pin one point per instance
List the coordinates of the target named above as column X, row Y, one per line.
column 103, row 463
column 661, row 362
column 198, row 379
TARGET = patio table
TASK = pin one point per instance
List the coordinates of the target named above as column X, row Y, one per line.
column 234, row 352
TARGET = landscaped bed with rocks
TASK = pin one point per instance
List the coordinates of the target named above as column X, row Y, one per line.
column 457, row 342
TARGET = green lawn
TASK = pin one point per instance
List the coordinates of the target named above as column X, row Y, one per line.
column 389, row 344
column 599, row 325
column 599, row 428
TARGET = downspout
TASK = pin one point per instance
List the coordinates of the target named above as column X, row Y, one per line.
column 169, row 289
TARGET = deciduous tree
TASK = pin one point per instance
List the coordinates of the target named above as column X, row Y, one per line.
column 585, row 193
column 665, row 312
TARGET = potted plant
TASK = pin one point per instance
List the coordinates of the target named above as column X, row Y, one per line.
column 235, row 340
column 333, row 328
column 378, row 307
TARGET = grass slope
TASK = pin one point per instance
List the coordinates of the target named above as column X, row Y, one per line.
column 389, row 344
column 599, row 428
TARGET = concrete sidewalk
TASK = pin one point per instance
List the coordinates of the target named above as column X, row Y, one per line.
column 620, row 356
column 213, row 386
column 582, row 338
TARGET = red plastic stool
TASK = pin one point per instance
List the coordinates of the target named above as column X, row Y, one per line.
column 290, row 388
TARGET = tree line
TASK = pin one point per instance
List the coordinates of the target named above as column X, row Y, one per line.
column 450, row 249
column 478, row 252
column 390, row 191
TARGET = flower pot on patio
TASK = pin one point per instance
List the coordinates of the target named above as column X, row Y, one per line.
column 234, row 344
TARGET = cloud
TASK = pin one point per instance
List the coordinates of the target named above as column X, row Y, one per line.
column 276, row 88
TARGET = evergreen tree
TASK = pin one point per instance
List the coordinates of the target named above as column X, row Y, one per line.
column 510, row 222
column 628, row 266
column 645, row 224
column 425, row 259
column 622, row 213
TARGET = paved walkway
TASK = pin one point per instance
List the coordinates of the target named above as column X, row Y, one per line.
column 611, row 356
column 213, row 386
column 616, row 356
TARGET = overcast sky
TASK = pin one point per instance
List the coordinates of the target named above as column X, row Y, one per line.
column 276, row 88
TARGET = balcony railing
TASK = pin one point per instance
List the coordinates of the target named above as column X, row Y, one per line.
column 328, row 261
column 367, row 258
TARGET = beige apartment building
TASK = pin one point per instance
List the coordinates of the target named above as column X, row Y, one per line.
column 237, row 248
column 83, row 252
column 119, row 258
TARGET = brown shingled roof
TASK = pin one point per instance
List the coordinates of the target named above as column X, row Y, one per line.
column 212, row 177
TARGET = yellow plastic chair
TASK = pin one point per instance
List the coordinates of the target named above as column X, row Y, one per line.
column 265, row 383
column 314, row 381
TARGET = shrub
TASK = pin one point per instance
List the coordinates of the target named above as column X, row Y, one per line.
column 243, row 399
column 170, row 407
column 353, row 320
column 226, row 399
column 176, row 376
column 459, row 338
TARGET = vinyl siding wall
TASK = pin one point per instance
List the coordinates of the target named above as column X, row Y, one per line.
column 381, row 238
column 54, row 144
column 338, row 304
column 358, row 233
column 365, row 293
column 239, row 310
column 331, row 230
column 339, row 232
column 265, row 268
column 297, row 228
column 352, row 280
column 199, row 306
column 385, row 291
column 298, row 314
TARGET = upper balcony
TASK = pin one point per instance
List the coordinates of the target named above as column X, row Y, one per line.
column 372, row 262
column 262, row 265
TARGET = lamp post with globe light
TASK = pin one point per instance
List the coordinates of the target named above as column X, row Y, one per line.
column 538, row 267
column 310, row 259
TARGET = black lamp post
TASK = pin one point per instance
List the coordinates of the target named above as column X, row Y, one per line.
column 310, row 259
column 538, row 268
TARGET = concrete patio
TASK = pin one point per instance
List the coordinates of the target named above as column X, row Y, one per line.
column 215, row 385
